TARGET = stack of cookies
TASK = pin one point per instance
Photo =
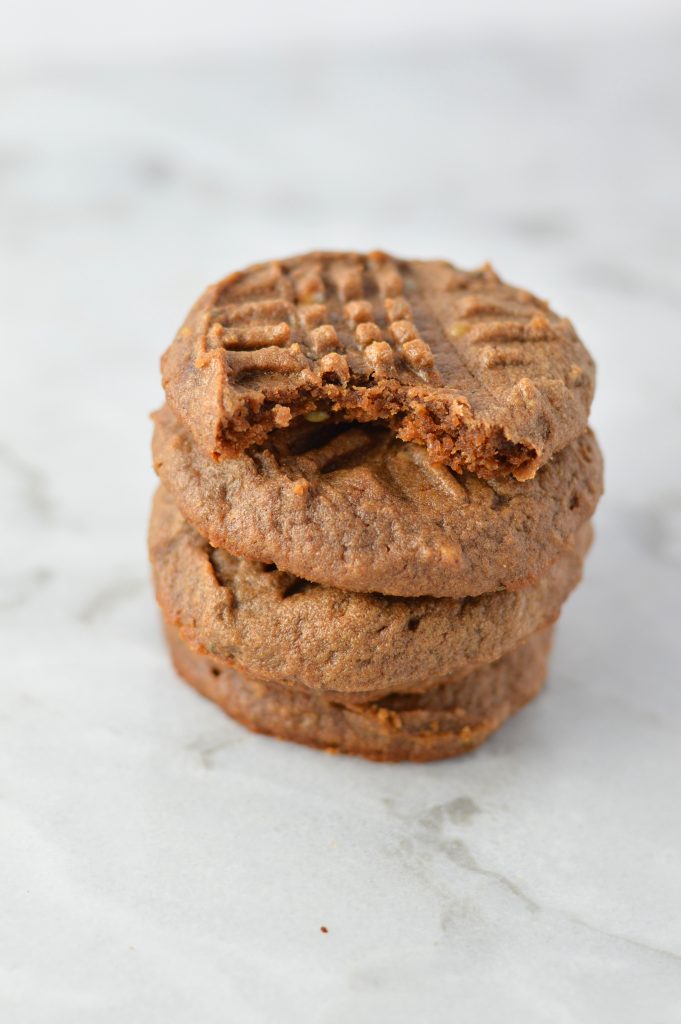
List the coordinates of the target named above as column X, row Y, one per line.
column 376, row 486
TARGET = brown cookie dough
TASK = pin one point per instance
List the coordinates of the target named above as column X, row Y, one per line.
column 353, row 507
column 481, row 373
column 277, row 626
column 449, row 720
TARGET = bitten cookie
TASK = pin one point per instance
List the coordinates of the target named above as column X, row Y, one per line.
column 448, row 720
column 484, row 375
column 354, row 507
column 277, row 626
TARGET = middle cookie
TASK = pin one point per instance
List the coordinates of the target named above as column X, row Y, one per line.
column 354, row 507
column 277, row 626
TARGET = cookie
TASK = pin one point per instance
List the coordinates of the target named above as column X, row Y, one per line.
column 354, row 507
column 448, row 720
column 482, row 374
column 277, row 626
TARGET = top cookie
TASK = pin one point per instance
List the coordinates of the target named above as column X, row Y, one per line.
column 481, row 373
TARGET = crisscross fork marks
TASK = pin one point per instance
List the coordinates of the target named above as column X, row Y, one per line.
column 353, row 309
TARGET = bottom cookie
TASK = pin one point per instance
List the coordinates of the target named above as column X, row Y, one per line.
column 447, row 720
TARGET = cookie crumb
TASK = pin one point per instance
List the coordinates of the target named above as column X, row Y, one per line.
column 300, row 487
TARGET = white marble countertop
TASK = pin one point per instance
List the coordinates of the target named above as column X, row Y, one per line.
column 157, row 862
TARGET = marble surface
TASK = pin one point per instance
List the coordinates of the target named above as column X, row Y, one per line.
column 157, row 862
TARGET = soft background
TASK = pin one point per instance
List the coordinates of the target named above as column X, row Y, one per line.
column 157, row 862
